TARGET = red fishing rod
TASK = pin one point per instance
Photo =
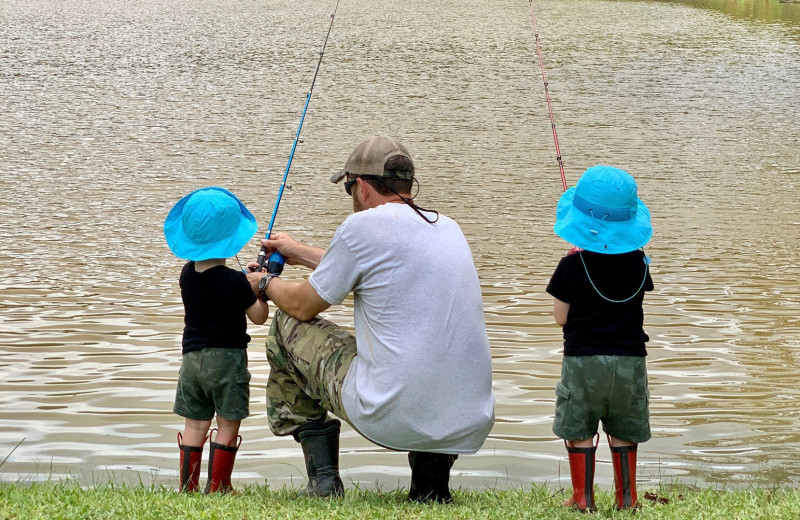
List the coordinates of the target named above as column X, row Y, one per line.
column 547, row 97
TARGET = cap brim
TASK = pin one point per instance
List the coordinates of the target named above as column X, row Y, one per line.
column 336, row 177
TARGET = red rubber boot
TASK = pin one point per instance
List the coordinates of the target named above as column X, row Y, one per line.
column 581, row 471
column 624, row 461
column 189, row 470
column 220, row 466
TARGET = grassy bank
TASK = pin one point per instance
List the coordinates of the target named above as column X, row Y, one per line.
column 69, row 501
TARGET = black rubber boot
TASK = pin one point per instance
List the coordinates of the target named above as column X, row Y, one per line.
column 320, row 443
column 430, row 476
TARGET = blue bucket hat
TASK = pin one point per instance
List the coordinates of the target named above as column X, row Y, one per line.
column 208, row 223
column 603, row 213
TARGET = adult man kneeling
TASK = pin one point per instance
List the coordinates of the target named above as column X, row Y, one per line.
column 417, row 375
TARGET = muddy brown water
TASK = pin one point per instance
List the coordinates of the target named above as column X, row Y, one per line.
column 111, row 111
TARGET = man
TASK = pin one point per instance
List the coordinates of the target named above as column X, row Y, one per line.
column 417, row 375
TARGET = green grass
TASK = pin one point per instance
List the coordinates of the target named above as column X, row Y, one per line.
column 68, row 500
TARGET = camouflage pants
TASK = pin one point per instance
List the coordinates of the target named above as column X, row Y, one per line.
column 308, row 363
column 611, row 389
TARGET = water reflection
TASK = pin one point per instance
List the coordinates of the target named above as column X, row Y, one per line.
column 780, row 11
column 115, row 110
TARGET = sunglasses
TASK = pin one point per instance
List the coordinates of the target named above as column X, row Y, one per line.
column 348, row 186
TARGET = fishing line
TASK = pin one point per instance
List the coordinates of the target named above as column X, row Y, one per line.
column 276, row 261
column 547, row 97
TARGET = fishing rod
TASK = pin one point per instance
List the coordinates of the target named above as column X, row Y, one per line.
column 574, row 249
column 547, row 97
column 276, row 260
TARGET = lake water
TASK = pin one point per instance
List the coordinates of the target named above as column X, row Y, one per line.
column 112, row 111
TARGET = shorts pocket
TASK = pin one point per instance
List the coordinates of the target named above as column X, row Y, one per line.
column 562, row 402
column 243, row 378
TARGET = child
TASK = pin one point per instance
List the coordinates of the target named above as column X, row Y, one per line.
column 598, row 291
column 206, row 227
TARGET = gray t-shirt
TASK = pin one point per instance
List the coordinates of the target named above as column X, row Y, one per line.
column 422, row 379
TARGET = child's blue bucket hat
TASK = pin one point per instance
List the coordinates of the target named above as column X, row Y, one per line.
column 208, row 223
column 603, row 213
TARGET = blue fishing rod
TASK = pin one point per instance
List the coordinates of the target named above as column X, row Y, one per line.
column 276, row 261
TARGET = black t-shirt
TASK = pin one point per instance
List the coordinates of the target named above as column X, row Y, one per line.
column 214, row 303
column 596, row 326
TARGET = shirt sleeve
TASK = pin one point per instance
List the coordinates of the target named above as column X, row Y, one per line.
column 337, row 273
column 243, row 290
column 559, row 286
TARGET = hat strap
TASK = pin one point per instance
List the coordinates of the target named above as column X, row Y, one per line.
column 610, row 214
column 406, row 200
column 644, row 279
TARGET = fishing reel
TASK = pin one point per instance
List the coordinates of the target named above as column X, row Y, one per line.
column 274, row 264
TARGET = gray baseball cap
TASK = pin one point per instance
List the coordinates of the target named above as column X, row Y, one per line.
column 371, row 155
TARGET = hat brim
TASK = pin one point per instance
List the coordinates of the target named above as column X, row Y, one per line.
column 601, row 236
column 338, row 176
column 227, row 247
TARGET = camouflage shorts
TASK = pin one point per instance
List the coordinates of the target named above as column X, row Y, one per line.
column 213, row 380
column 611, row 389
column 308, row 363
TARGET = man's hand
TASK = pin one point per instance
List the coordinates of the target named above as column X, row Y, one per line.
column 294, row 252
column 284, row 244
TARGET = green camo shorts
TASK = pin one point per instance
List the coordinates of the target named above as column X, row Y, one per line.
column 611, row 389
column 213, row 380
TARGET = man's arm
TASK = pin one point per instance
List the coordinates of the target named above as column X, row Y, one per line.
column 297, row 299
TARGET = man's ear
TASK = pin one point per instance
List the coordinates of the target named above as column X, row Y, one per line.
column 363, row 185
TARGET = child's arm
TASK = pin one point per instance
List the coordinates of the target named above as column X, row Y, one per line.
column 560, row 311
column 258, row 312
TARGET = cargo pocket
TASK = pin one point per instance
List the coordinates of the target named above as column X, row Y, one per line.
column 242, row 400
column 243, row 382
column 562, row 403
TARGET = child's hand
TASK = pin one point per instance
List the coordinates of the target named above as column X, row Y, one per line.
column 253, row 267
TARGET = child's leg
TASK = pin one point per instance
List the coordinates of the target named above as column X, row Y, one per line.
column 580, row 404
column 227, row 430
column 627, row 424
column 195, row 432
column 223, row 455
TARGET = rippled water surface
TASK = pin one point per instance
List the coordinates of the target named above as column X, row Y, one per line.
column 111, row 111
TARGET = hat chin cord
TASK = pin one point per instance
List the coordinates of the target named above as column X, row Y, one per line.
column 406, row 200
column 646, row 261
column 593, row 229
